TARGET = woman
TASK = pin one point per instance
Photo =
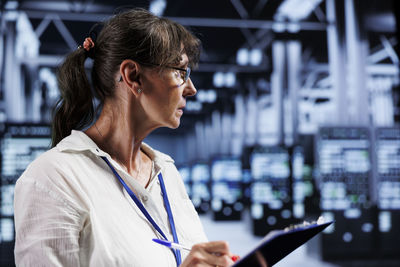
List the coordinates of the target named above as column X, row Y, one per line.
column 100, row 196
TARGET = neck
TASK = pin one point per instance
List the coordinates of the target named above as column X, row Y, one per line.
column 120, row 134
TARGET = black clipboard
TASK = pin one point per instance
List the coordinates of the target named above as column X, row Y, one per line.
column 278, row 244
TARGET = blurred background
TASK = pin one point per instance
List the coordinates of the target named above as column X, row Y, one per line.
column 296, row 116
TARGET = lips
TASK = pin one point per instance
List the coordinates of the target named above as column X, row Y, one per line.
column 182, row 107
column 180, row 110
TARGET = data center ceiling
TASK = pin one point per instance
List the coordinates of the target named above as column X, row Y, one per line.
column 224, row 26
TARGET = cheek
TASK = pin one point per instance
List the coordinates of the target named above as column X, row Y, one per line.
column 163, row 103
column 160, row 108
column 153, row 107
column 173, row 99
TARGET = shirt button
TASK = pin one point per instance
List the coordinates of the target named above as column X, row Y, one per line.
column 145, row 198
column 97, row 150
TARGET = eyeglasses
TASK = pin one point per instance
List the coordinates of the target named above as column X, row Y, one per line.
column 184, row 74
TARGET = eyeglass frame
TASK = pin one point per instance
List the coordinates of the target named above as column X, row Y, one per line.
column 187, row 71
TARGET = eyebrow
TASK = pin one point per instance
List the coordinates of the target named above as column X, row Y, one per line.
column 183, row 63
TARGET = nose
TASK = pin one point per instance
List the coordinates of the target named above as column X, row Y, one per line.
column 190, row 89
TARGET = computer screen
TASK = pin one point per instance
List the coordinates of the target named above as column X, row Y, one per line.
column 200, row 183
column 200, row 172
column 226, row 173
column 388, row 168
column 184, row 171
column 302, row 184
column 20, row 144
column 344, row 162
column 271, row 176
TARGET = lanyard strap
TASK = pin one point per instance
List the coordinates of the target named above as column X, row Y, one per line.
column 170, row 218
column 146, row 213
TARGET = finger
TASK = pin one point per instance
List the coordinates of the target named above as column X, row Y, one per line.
column 219, row 260
column 221, row 247
column 215, row 253
column 195, row 259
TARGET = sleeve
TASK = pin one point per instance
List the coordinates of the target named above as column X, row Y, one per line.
column 47, row 227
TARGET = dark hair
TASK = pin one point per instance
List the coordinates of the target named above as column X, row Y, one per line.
column 135, row 34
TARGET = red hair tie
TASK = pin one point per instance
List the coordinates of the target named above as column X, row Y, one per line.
column 88, row 44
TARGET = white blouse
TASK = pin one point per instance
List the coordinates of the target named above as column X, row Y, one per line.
column 70, row 210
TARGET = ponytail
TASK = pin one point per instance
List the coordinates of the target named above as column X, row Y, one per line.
column 74, row 109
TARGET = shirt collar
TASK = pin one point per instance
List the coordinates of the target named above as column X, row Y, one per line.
column 79, row 142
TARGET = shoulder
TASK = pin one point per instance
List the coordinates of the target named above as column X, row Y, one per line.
column 51, row 164
column 46, row 163
column 44, row 181
column 44, row 174
column 70, row 153
column 57, row 170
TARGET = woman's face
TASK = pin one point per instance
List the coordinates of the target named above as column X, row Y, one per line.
column 164, row 94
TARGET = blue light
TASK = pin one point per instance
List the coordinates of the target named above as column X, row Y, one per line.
column 255, row 57
column 230, row 79
column 157, row 7
column 219, row 79
column 242, row 56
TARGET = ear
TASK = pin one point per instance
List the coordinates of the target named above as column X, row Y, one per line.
column 130, row 74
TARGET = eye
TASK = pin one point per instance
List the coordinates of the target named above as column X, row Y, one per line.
column 183, row 74
column 178, row 74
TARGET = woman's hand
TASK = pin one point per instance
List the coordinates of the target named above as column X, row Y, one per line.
column 213, row 254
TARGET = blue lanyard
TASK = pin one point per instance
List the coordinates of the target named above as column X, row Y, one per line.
column 146, row 213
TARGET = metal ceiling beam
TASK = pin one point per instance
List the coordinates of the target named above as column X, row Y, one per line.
column 187, row 21
column 389, row 50
column 237, row 4
column 62, row 6
column 43, row 25
column 68, row 16
column 243, row 15
column 259, row 7
column 243, row 23
column 319, row 13
column 68, row 38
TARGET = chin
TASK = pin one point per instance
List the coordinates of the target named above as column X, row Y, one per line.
column 173, row 124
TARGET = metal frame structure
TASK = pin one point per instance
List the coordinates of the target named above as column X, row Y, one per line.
column 257, row 33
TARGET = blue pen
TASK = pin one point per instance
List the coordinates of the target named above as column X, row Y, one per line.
column 179, row 246
column 170, row 244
